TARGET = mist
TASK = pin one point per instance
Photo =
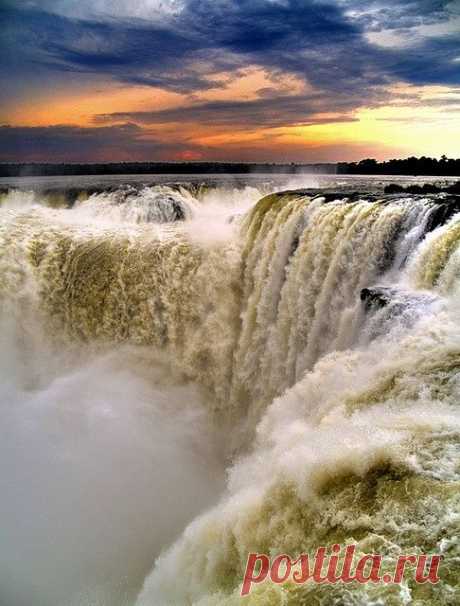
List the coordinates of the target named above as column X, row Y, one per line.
column 102, row 464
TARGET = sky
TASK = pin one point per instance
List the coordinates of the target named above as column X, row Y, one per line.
column 229, row 80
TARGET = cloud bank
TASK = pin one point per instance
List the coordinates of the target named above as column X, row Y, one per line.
column 347, row 54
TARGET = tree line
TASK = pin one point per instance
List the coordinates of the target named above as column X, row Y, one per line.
column 409, row 166
column 369, row 166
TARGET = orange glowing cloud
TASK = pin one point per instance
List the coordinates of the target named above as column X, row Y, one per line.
column 79, row 106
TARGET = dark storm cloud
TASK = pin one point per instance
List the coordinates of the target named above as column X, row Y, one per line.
column 33, row 39
column 267, row 111
column 435, row 63
column 376, row 15
column 320, row 41
column 76, row 144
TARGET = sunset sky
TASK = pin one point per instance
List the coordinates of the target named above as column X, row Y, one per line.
column 233, row 80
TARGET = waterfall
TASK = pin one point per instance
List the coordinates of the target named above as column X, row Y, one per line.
column 323, row 337
column 361, row 444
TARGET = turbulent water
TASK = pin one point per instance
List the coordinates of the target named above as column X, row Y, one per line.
column 190, row 373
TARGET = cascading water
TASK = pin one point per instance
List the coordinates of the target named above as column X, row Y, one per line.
column 321, row 337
